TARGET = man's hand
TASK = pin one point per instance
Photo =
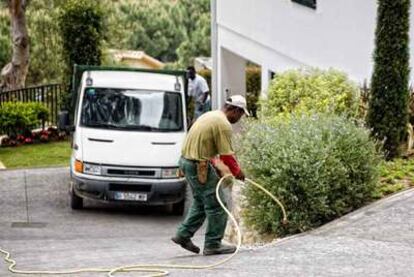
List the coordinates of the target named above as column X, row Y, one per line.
column 240, row 176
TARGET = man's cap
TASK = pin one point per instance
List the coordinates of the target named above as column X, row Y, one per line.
column 238, row 101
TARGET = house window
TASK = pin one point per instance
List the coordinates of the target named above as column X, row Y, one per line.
column 307, row 3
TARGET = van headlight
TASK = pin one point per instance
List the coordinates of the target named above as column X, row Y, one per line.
column 92, row 169
column 169, row 172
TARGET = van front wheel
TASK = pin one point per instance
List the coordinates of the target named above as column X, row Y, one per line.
column 76, row 202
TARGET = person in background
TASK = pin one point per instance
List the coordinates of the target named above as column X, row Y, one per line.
column 198, row 92
column 209, row 139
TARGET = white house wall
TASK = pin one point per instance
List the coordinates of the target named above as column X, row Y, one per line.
column 280, row 34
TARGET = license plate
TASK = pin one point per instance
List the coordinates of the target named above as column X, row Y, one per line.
column 130, row 196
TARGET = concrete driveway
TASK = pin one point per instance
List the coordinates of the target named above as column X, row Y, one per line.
column 99, row 235
column 375, row 241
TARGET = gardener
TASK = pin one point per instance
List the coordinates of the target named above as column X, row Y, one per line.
column 209, row 137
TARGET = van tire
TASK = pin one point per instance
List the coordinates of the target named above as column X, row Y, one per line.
column 76, row 202
column 178, row 208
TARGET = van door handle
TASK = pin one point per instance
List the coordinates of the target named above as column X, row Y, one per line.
column 101, row 140
column 163, row 143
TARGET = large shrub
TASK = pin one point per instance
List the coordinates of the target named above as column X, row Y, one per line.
column 311, row 90
column 388, row 106
column 320, row 166
column 18, row 117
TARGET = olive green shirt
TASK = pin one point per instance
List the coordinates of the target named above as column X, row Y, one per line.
column 209, row 136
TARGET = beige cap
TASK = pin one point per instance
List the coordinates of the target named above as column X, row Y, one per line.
column 238, row 101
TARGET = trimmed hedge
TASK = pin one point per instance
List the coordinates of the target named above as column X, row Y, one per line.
column 320, row 166
column 17, row 117
column 311, row 91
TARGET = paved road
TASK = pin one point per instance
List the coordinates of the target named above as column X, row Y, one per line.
column 375, row 241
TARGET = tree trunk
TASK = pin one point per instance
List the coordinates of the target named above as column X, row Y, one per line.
column 14, row 73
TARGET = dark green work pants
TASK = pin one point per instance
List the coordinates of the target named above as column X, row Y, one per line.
column 205, row 204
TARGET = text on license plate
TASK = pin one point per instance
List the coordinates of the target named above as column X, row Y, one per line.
column 130, row 196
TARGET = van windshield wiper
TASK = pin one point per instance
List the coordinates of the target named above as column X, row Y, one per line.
column 140, row 127
column 104, row 125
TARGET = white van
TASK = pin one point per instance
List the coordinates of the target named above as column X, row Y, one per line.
column 129, row 127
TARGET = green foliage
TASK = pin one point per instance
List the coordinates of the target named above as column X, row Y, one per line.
column 311, row 90
column 395, row 176
column 5, row 40
column 171, row 31
column 46, row 46
column 253, row 87
column 81, row 27
column 196, row 18
column 320, row 166
column 17, row 117
column 153, row 28
column 388, row 106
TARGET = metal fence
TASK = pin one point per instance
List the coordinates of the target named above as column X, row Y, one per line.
column 50, row 95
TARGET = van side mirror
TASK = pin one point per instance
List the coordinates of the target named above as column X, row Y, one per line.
column 64, row 122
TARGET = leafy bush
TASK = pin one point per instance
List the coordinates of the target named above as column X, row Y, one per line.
column 320, row 166
column 17, row 117
column 311, row 90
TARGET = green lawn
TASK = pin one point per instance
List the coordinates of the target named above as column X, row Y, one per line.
column 39, row 155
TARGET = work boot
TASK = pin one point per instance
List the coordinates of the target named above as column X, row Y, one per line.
column 221, row 249
column 187, row 244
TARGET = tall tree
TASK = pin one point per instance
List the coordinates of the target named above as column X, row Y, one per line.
column 82, row 30
column 45, row 42
column 5, row 45
column 388, row 105
column 153, row 28
column 14, row 73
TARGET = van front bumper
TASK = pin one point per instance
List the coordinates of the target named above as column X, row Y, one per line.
column 157, row 192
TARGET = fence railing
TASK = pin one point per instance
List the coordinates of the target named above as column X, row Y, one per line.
column 50, row 95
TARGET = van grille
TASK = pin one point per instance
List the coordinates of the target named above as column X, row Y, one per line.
column 128, row 172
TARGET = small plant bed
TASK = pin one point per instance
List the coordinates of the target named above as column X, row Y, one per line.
column 36, row 155
column 33, row 137
column 395, row 176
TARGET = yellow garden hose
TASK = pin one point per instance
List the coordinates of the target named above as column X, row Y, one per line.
column 154, row 269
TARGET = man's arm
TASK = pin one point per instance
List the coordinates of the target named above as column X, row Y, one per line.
column 205, row 95
column 233, row 165
column 205, row 89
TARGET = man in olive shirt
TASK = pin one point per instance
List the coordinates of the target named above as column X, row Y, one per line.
column 209, row 137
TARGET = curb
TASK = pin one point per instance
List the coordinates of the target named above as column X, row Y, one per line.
column 345, row 219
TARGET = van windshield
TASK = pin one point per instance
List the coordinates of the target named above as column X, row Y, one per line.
column 125, row 109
